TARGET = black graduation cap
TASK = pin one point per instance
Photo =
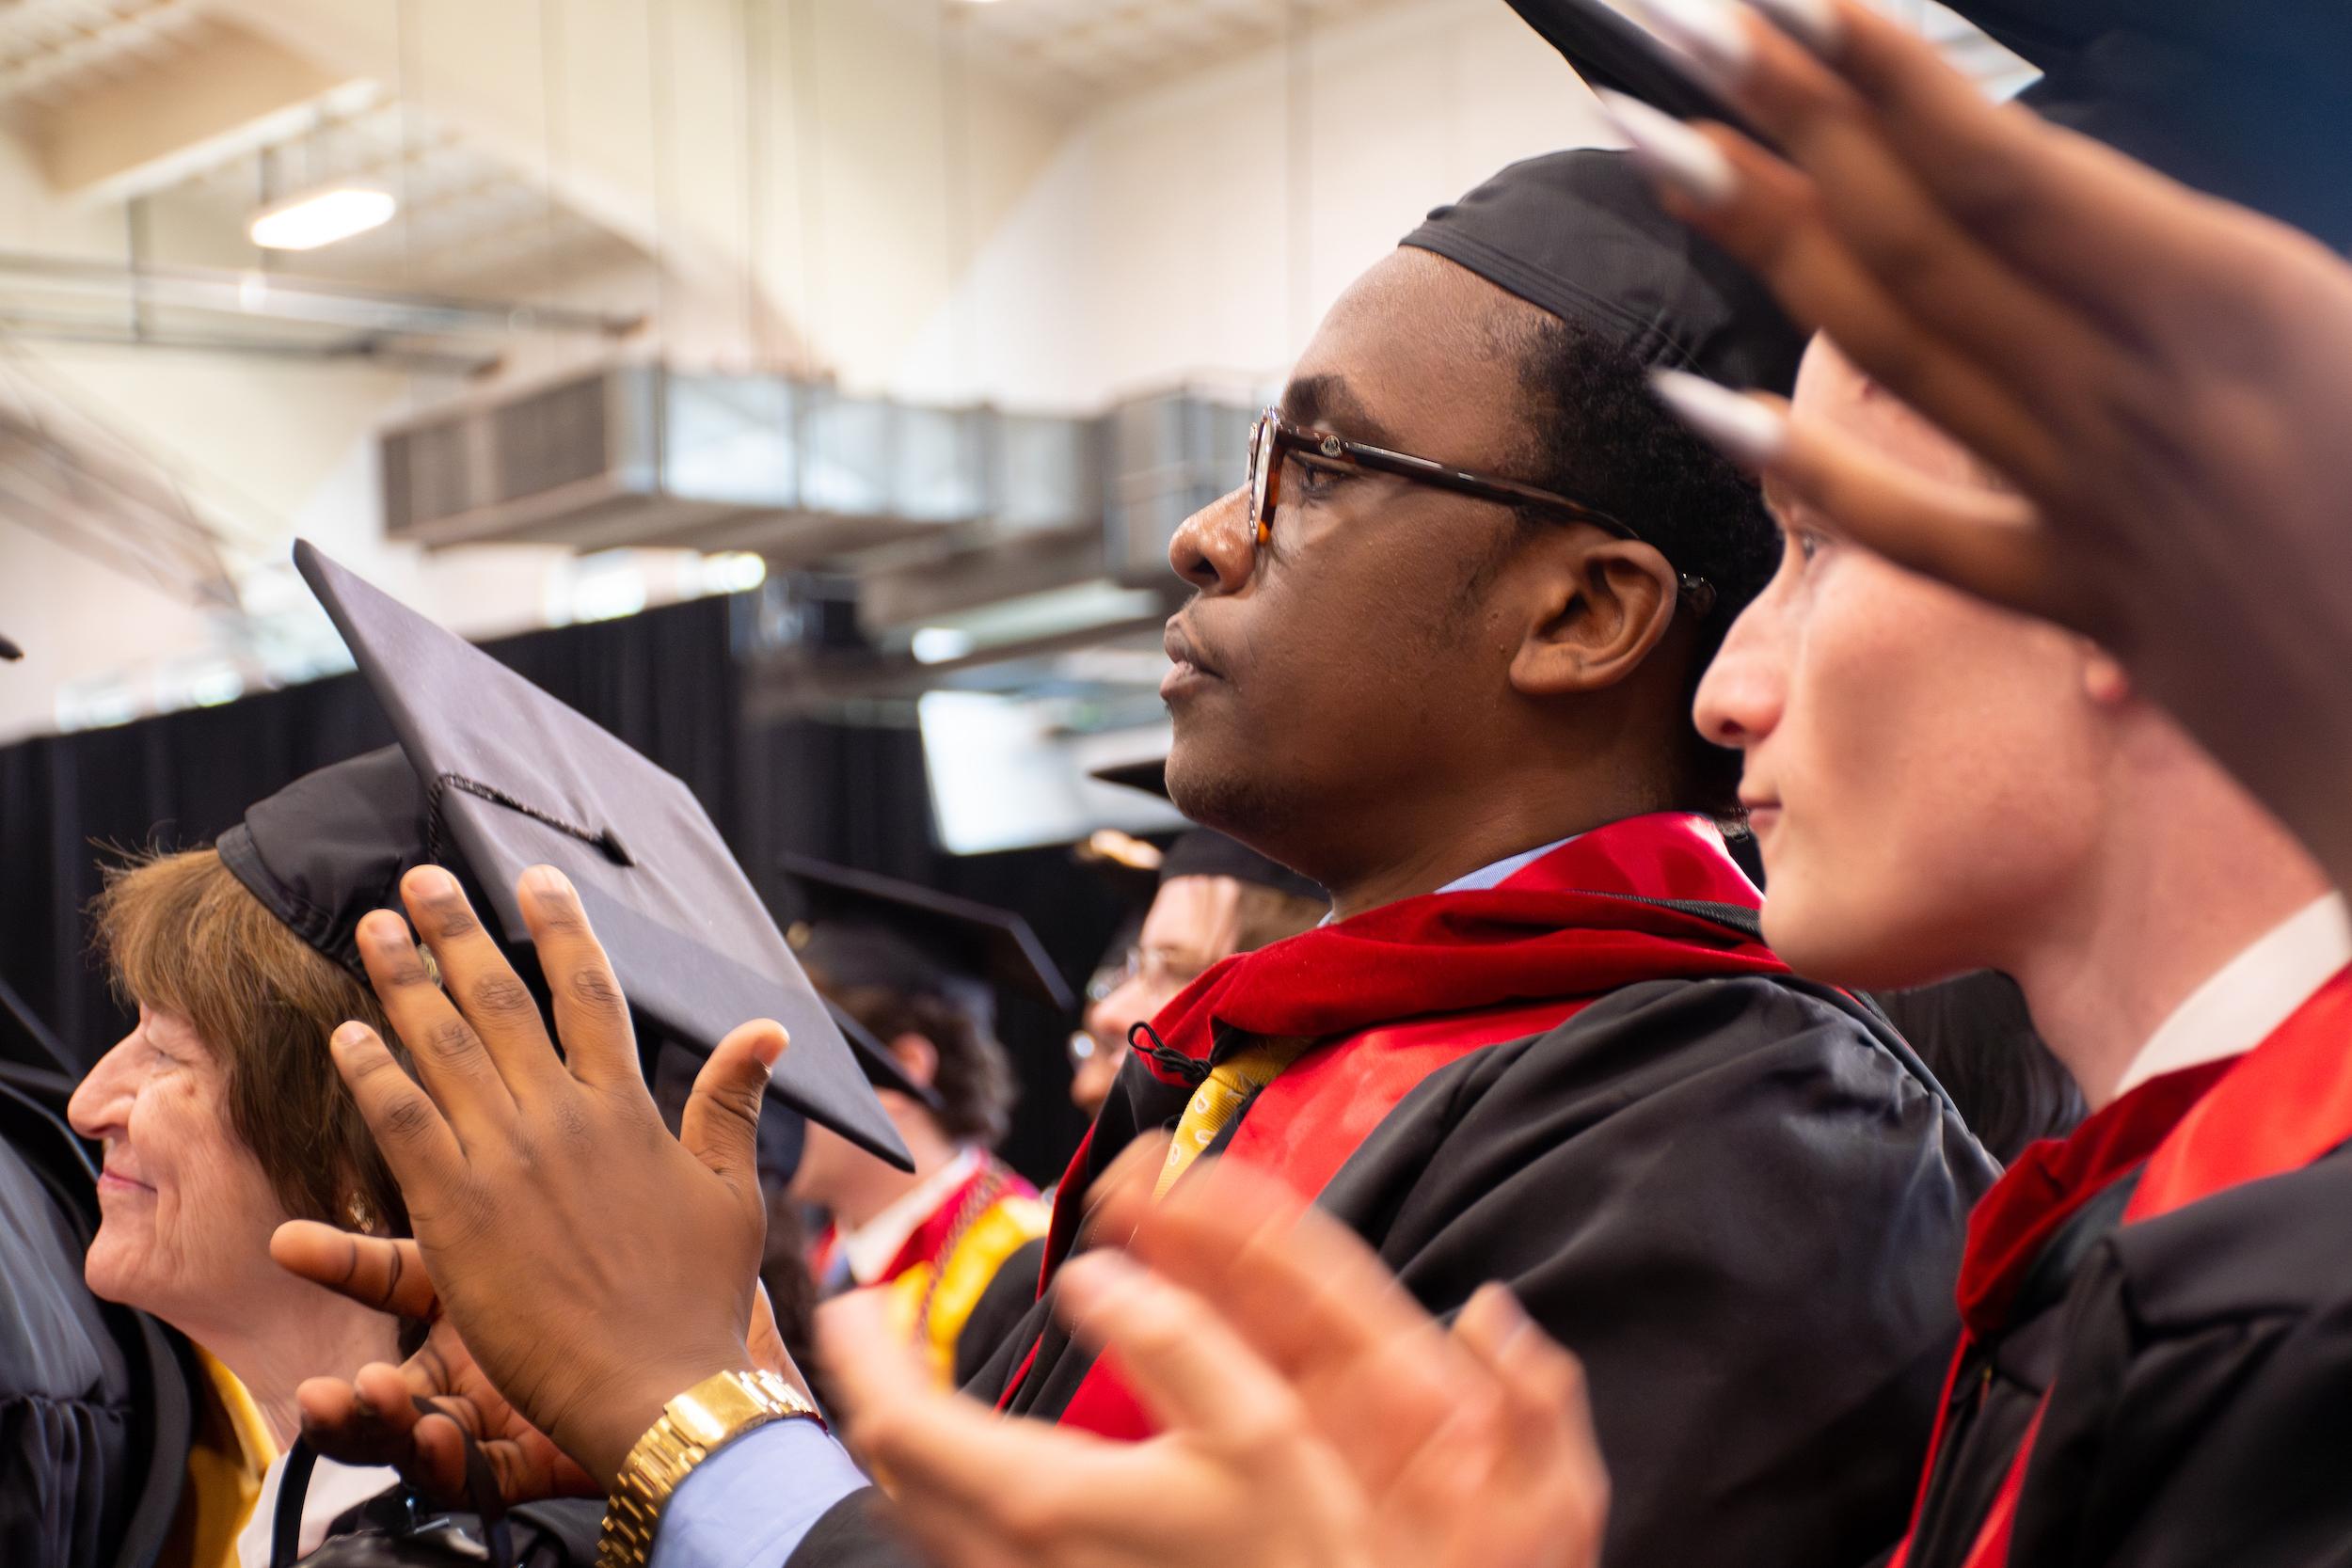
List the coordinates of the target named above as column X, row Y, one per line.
column 1204, row 852
column 2246, row 100
column 504, row 777
column 868, row 930
column 1580, row 234
column 2249, row 99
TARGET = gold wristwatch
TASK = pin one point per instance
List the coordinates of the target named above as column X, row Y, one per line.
column 693, row 1427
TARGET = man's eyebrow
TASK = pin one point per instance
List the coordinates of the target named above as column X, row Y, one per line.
column 1328, row 403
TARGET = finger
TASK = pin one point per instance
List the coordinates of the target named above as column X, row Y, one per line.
column 414, row 1137
column 1122, row 1194
column 1299, row 1286
column 1545, row 1406
column 437, row 1458
column 1925, row 261
column 591, row 1012
column 1191, row 1370
column 1772, row 219
column 1988, row 543
column 385, row 1273
column 721, row 1123
column 450, row 1060
column 1547, row 1456
column 344, row 1424
column 503, row 1014
column 951, row 1453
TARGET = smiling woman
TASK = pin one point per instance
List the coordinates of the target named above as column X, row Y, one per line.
column 221, row 1116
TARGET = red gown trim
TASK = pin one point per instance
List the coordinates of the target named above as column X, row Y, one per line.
column 929, row 1239
column 2276, row 1109
column 1401, row 992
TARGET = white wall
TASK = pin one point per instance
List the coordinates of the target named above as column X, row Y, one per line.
column 1160, row 238
column 1167, row 239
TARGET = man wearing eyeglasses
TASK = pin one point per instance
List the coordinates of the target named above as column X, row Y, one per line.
column 1440, row 661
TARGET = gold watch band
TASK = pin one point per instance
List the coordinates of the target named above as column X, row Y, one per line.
column 693, row 1427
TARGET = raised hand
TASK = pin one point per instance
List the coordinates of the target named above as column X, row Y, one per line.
column 592, row 1265
column 1313, row 1415
column 2166, row 379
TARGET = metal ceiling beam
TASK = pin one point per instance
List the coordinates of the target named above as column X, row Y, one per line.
column 373, row 349
column 270, row 296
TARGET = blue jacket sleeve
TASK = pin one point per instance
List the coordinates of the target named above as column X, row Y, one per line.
column 749, row 1505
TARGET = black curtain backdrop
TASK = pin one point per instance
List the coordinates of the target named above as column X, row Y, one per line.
column 666, row 681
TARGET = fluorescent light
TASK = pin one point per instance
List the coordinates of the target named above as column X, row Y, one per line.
column 323, row 217
column 939, row 644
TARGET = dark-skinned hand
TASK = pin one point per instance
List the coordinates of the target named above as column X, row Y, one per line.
column 373, row 1418
column 592, row 1265
column 2166, row 379
column 1312, row 1415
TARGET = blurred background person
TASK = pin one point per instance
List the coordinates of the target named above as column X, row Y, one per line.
column 1215, row 897
column 918, row 970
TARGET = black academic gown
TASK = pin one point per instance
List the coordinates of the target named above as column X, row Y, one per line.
column 2203, row 1415
column 1740, row 1201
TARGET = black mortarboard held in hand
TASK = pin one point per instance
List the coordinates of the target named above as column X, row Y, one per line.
column 2243, row 99
column 501, row 777
column 865, row 930
column 2249, row 99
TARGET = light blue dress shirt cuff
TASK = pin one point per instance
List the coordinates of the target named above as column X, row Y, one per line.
column 749, row 1504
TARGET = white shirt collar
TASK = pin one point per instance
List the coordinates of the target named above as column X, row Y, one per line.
column 872, row 1247
column 2249, row 996
column 1505, row 869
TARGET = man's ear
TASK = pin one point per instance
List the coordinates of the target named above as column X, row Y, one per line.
column 1605, row 605
column 916, row 1057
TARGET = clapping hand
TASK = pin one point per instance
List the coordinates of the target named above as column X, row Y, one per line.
column 1313, row 1414
column 586, row 1266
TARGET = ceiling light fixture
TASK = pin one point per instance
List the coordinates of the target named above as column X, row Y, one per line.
column 323, row 217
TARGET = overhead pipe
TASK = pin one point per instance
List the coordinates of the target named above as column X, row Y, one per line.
column 273, row 297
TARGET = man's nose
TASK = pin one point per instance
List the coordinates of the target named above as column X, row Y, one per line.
column 1109, row 1019
column 1740, row 698
column 1217, row 545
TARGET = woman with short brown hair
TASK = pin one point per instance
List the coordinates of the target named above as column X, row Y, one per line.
column 221, row 1116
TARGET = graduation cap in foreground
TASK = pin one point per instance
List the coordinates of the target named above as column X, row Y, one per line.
column 2245, row 101
column 1204, row 852
column 2250, row 100
column 502, row 777
column 868, row 930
